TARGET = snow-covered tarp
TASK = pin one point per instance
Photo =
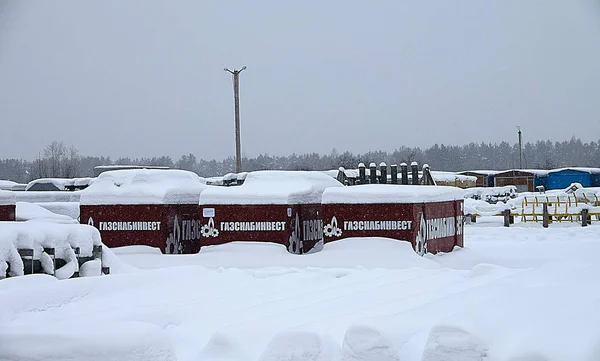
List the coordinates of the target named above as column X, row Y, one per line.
column 31, row 211
column 144, row 186
column 273, row 187
column 7, row 198
column 388, row 193
column 64, row 238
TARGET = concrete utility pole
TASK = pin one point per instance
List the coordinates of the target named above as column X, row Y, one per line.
column 520, row 149
column 236, row 96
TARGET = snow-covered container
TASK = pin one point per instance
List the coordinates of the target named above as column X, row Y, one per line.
column 270, row 206
column 7, row 206
column 152, row 207
column 429, row 217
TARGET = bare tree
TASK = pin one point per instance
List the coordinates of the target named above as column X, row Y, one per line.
column 59, row 161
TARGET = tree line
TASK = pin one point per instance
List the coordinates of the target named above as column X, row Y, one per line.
column 59, row 160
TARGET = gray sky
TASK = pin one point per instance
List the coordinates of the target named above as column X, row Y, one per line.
column 145, row 78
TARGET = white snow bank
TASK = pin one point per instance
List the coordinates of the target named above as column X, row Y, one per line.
column 7, row 198
column 541, row 322
column 273, row 187
column 30, row 211
column 299, row 345
column 365, row 253
column 96, row 340
column 39, row 235
column 70, row 209
column 47, row 196
column 388, row 193
column 144, row 186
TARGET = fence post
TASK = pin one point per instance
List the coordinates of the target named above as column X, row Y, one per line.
column 506, row 213
column 584, row 217
column 362, row 173
column 545, row 216
column 404, row 170
column 373, row 173
column 394, row 173
column 414, row 166
column 383, row 171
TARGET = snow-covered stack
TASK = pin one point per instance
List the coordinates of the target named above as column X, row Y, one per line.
column 153, row 207
column 492, row 194
column 273, row 206
column 71, row 244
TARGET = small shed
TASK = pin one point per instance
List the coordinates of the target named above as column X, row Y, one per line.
column 7, row 206
column 429, row 217
column 485, row 178
column 526, row 180
column 157, row 208
column 270, row 206
column 563, row 177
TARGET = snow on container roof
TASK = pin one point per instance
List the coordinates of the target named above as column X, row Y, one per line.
column 7, row 185
column 273, row 187
column 390, row 193
column 578, row 169
column 481, row 172
column 144, row 186
column 7, row 198
column 442, row 176
column 60, row 184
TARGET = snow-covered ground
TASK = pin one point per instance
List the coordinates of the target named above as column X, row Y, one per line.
column 513, row 294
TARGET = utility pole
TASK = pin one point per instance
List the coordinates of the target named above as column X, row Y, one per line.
column 520, row 149
column 236, row 97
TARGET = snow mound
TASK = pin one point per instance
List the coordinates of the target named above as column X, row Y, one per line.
column 144, row 186
column 301, row 346
column 102, row 342
column 273, row 187
column 447, row 343
column 70, row 209
column 220, row 347
column 29, row 211
column 363, row 343
column 137, row 249
column 388, row 193
column 345, row 253
column 7, row 198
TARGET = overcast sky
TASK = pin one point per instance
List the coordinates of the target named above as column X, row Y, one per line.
column 145, row 78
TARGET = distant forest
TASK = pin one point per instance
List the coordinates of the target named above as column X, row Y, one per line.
column 60, row 160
